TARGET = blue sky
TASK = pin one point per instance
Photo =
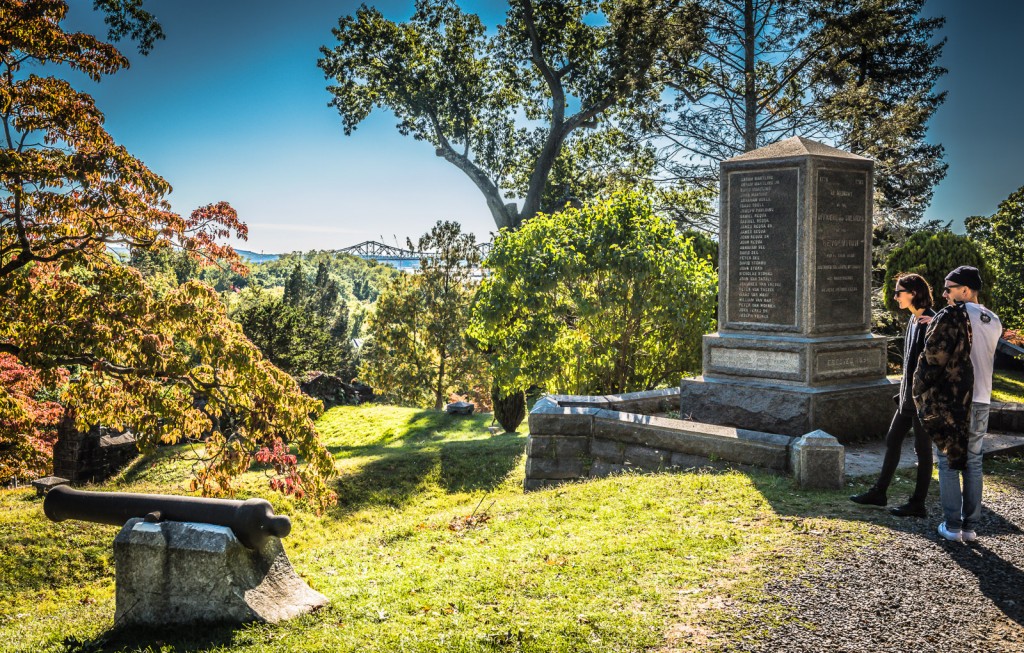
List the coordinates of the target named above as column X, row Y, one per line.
column 231, row 106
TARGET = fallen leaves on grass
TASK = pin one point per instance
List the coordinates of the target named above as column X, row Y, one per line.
column 472, row 520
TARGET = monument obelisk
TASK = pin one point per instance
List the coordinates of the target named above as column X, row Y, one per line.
column 794, row 351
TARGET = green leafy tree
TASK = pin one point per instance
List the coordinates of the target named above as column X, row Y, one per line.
column 607, row 298
column 420, row 354
column 134, row 358
column 1002, row 237
column 294, row 339
column 858, row 73
column 933, row 255
column 563, row 66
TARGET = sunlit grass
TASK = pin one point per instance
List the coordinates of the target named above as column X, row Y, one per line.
column 1008, row 386
column 608, row 565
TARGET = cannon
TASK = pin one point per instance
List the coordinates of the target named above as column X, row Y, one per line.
column 253, row 521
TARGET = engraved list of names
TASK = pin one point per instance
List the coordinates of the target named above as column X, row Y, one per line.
column 840, row 248
column 762, row 247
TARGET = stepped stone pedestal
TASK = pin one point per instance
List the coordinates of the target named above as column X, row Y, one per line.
column 794, row 352
column 181, row 573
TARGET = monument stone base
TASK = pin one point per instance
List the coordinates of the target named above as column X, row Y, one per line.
column 175, row 573
column 850, row 413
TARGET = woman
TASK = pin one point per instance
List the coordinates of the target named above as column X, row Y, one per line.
column 914, row 294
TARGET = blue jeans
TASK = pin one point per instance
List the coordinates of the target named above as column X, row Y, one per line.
column 962, row 508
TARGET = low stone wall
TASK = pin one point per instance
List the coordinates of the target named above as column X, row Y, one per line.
column 577, row 437
column 1008, row 417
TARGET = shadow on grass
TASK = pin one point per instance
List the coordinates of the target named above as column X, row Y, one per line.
column 423, row 458
column 422, row 426
column 137, row 638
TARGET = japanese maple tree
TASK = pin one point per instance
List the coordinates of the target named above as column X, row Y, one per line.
column 73, row 317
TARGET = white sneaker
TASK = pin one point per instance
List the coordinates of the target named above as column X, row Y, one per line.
column 968, row 536
column 952, row 536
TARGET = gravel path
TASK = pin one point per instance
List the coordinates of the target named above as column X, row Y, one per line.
column 915, row 592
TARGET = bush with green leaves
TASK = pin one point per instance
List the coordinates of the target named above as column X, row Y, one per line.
column 932, row 254
column 1001, row 237
column 602, row 299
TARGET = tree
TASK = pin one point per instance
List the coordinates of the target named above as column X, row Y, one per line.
column 419, row 353
column 858, row 73
column 564, row 66
column 27, row 421
column 1000, row 237
column 295, row 290
column 933, row 255
column 603, row 299
column 294, row 338
column 168, row 366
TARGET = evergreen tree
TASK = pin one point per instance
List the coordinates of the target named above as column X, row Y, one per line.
column 322, row 275
column 860, row 74
column 933, row 255
column 1002, row 237
column 342, row 342
column 295, row 287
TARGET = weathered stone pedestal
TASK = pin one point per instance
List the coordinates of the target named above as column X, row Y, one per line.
column 177, row 573
column 794, row 352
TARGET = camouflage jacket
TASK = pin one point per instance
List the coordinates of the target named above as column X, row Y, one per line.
column 944, row 382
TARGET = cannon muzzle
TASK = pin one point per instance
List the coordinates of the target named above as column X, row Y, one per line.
column 253, row 520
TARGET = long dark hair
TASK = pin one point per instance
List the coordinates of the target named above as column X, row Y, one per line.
column 916, row 284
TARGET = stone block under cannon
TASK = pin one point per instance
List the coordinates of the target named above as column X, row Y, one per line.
column 184, row 560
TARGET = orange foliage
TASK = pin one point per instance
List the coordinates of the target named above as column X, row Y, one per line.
column 169, row 367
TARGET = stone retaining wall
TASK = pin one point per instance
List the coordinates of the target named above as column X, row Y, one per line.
column 1007, row 417
column 577, row 437
column 92, row 456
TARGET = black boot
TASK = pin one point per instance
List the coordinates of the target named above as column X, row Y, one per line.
column 910, row 509
column 873, row 497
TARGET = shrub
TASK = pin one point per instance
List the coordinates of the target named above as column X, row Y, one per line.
column 933, row 255
column 605, row 298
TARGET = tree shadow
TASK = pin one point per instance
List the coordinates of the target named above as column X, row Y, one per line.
column 139, row 638
column 399, row 472
column 421, row 426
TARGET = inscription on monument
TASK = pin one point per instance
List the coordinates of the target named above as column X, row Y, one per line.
column 840, row 247
column 784, row 362
column 762, row 246
column 847, row 363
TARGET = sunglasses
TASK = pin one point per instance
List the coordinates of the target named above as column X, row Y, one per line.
column 946, row 289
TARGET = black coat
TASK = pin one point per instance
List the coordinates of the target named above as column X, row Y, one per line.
column 912, row 349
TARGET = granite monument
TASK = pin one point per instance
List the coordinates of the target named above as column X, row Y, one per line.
column 794, row 352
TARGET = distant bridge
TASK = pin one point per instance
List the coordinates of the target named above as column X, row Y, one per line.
column 396, row 257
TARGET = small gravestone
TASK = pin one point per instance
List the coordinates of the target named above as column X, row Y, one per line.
column 91, row 456
column 459, row 408
column 47, row 483
column 794, row 351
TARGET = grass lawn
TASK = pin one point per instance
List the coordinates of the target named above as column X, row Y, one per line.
column 629, row 563
column 1008, row 386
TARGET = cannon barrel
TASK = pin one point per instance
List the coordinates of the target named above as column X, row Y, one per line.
column 253, row 521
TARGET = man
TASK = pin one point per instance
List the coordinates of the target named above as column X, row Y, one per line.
column 959, row 440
